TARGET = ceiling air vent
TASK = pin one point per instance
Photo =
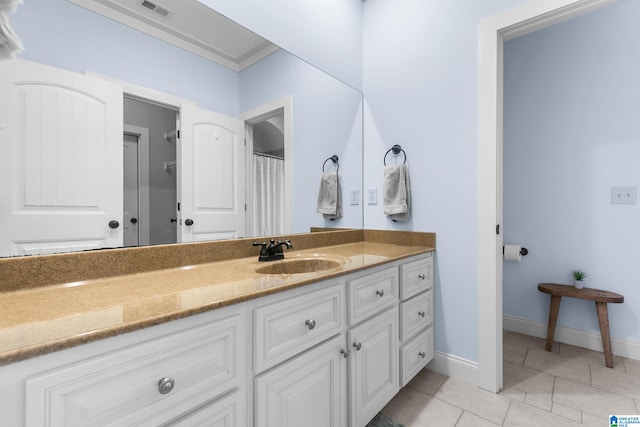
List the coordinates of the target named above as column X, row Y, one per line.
column 155, row 8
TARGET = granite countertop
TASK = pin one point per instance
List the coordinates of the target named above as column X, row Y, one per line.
column 43, row 319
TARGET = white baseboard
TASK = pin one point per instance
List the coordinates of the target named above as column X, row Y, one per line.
column 585, row 339
column 455, row 367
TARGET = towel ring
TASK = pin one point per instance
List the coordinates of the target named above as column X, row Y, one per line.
column 396, row 149
column 334, row 159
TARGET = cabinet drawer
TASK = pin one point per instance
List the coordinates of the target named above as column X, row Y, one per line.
column 372, row 294
column 228, row 411
column 415, row 355
column 417, row 276
column 122, row 387
column 416, row 314
column 288, row 327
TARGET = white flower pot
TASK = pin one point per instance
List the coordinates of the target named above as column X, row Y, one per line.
column 579, row 284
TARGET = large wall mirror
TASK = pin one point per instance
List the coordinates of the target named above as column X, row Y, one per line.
column 191, row 86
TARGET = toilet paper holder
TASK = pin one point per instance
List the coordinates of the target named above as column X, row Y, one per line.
column 523, row 251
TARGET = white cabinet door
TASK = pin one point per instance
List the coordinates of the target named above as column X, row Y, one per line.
column 62, row 172
column 309, row 390
column 373, row 366
column 211, row 176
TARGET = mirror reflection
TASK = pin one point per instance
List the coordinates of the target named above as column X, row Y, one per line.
column 180, row 169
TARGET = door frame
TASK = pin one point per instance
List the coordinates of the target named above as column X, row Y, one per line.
column 144, row 236
column 493, row 32
column 255, row 115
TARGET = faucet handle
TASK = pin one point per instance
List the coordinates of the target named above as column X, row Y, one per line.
column 263, row 249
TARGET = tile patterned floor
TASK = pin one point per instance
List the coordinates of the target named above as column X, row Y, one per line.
column 569, row 386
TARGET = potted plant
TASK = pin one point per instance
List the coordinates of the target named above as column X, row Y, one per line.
column 578, row 278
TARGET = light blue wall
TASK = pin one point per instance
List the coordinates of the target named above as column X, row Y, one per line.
column 572, row 106
column 63, row 35
column 327, row 120
column 326, row 33
column 420, row 82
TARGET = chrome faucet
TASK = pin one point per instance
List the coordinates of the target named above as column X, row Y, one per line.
column 273, row 251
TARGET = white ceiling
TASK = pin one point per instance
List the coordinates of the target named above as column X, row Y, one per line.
column 189, row 25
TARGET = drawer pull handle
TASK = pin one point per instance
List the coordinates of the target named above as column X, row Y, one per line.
column 380, row 293
column 344, row 353
column 310, row 324
column 357, row 345
column 421, row 276
column 421, row 313
column 166, row 384
column 422, row 354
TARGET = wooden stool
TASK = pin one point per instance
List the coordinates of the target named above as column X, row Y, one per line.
column 600, row 297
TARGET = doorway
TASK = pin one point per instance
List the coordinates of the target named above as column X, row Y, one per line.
column 268, row 132
column 494, row 31
column 150, row 184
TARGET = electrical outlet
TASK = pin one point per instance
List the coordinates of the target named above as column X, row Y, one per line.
column 355, row 196
column 372, row 195
column 624, row 195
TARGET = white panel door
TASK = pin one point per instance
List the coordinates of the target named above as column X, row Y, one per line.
column 373, row 366
column 61, row 145
column 211, row 173
column 310, row 390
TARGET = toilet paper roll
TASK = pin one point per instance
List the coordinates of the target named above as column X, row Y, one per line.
column 512, row 253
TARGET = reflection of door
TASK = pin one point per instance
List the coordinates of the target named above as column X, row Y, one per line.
column 210, row 176
column 61, row 145
column 131, row 191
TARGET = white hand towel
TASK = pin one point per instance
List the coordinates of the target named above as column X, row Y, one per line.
column 329, row 197
column 9, row 43
column 9, row 5
column 397, row 193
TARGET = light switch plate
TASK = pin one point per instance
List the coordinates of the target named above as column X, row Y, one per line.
column 354, row 196
column 624, row 195
column 372, row 195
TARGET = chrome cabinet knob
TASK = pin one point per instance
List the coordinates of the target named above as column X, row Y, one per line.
column 422, row 354
column 380, row 293
column 344, row 353
column 357, row 345
column 310, row 324
column 421, row 276
column 166, row 384
column 421, row 313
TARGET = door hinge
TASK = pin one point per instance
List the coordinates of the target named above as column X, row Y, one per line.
column 498, row 229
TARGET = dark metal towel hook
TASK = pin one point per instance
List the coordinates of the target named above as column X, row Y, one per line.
column 334, row 159
column 396, row 149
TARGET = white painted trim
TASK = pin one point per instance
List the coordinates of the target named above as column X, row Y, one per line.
column 144, row 207
column 571, row 336
column 258, row 113
column 493, row 31
column 144, row 94
column 455, row 367
column 156, row 32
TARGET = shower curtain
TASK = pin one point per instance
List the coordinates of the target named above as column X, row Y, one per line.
column 268, row 195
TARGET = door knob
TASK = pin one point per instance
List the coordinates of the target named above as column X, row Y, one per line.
column 188, row 222
column 114, row 224
column 174, row 219
column 134, row 220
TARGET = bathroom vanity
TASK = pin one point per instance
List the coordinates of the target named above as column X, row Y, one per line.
column 220, row 343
